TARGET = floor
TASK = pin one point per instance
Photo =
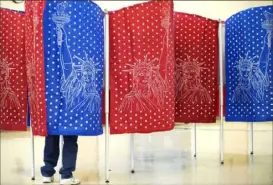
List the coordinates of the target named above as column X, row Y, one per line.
column 160, row 158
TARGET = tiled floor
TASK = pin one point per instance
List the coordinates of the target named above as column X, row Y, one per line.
column 160, row 158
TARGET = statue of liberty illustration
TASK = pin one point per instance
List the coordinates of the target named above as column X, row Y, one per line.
column 260, row 69
column 32, row 94
column 244, row 90
column 78, row 85
column 188, row 82
column 31, row 69
column 165, row 23
column 149, row 86
column 7, row 95
column 268, row 25
column 254, row 79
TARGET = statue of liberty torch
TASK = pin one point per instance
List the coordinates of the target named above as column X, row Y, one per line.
column 260, row 77
column 61, row 18
column 268, row 25
column 71, row 85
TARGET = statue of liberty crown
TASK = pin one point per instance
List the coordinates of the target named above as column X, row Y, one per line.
column 190, row 63
column 247, row 61
column 87, row 63
column 5, row 65
column 145, row 64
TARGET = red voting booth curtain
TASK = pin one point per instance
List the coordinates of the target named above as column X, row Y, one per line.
column 142, row 68
column 35, row 65
column 196, row 54
column 13, row 83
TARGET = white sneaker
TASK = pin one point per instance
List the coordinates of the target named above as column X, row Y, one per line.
column 48, row 179
column 71, row 181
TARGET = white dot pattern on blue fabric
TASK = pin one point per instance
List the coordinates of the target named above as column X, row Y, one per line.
column 249, row 73
column 74, row 53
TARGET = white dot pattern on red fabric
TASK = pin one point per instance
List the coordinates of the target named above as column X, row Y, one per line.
column 13, row 84
column 142, row 68
column 35, row 65
column 196, row 53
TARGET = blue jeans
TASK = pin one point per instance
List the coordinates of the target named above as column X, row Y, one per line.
column 51, row 155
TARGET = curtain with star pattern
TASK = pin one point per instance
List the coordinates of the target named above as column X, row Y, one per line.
column 249, row 65
column 196, row 68
column 142, row 68
column 34, row 46
column 13, row 79
column 74, row 64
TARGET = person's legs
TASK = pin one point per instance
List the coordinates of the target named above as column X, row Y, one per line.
column 51, row 155
column 70, row 151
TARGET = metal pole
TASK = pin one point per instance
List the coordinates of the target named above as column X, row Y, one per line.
column 251, row 138
column 35, row 23
column 61, row 152
column 132, row 153
column 107, row 88
column 195, row 140
column 32, row 153
column 221, row 93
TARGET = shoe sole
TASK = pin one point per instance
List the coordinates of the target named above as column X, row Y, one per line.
column 71, row 184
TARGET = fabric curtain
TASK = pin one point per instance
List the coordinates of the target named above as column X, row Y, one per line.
column 35, row 65
column 249, row 65
column 196, row 68
column 74, row 64
column 142, row 68
column 13, row 80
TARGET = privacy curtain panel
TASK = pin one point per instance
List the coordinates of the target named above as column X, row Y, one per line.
column 35, row 65
column 13, row 83
column 142, row 68
column 74, row 59
column 249, row 70
column 196, row 68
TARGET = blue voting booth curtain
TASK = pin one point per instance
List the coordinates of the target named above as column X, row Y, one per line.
column 249, row 65
column 28, row 116
column 74, row 59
